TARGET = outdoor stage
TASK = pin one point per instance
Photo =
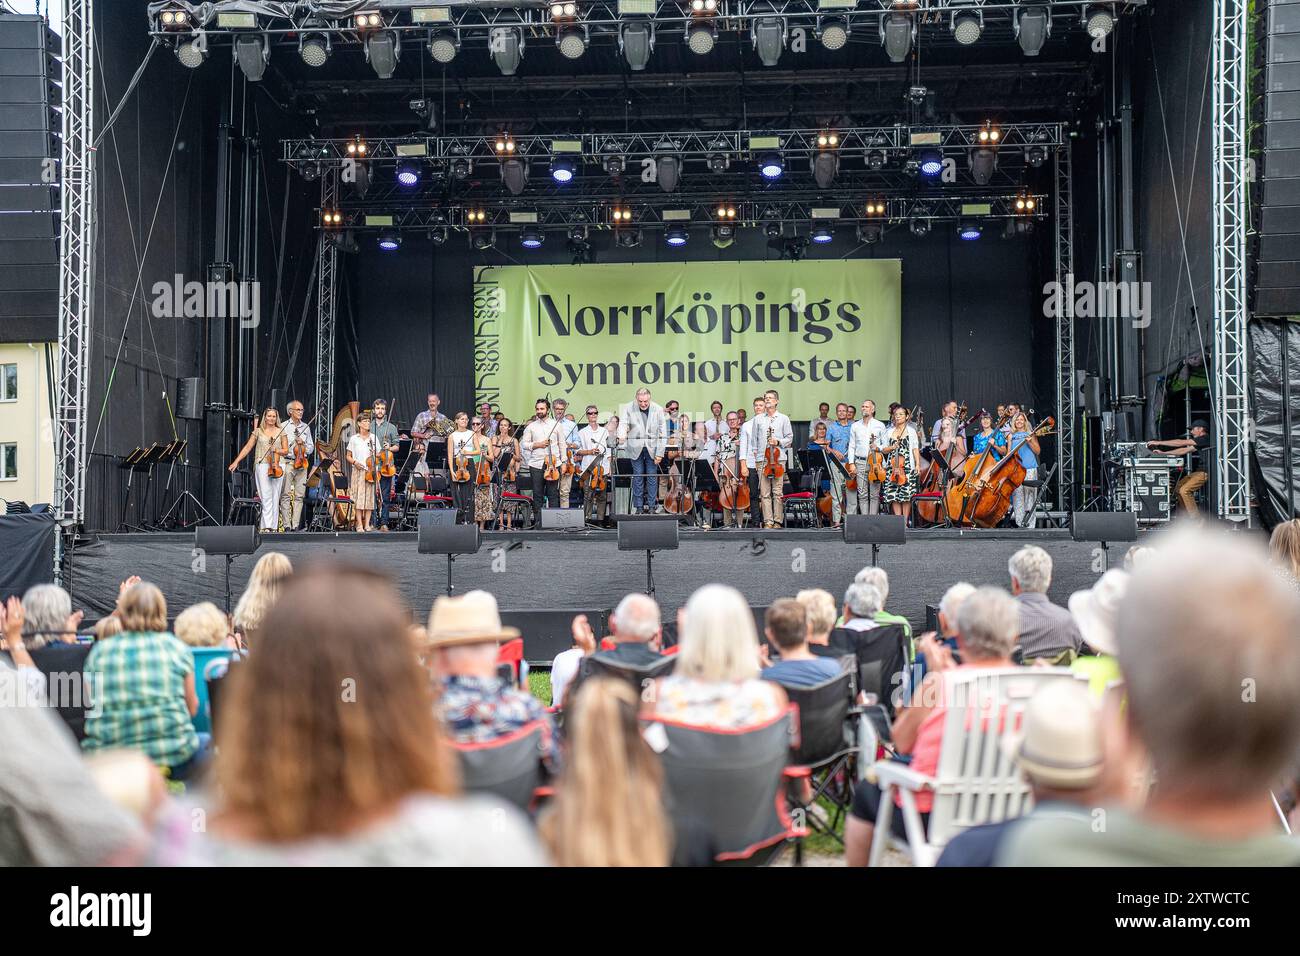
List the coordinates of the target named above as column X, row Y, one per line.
column 536, row 572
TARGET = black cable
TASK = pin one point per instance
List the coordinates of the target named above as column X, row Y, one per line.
column 130, row 88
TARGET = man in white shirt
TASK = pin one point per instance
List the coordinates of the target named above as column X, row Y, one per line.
column 295, row 479
column 714, row 426
column 773, row 430
column 568, row 438
column 949, row 413
column 541, row 437
column 868, row 434
column 593, row 449
column 751, row 458
column 643, row 431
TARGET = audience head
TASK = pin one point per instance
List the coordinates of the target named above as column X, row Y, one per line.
column 1031, row 570
column 950, row 604
column 108, row 626
column 877, row 578
column 269, row 575
column 351, row 710
column 1136, row 556
column 1207, row 644
column 636, row 620
column 718, row 639
column 1096, row 610
column 988, row 625
column 202, row 625
column 46, row 609
column 821, row 611
column 465, row 632
column 786, row 624
column 142, row 608
column 1284, row 544
column 1061, row 748
column 862, row 600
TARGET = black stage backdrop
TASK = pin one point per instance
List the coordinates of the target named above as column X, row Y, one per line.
column 972, row 317
column 1275, row 398
column 27, row 543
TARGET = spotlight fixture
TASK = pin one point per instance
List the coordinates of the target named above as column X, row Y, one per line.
column 967, row 28
column 1032, row 27
column 438, row 235
column 578, row 233
column 506, row 45
column 876, row 159
column 253, row 53
column 771, row 166
column 920, row 226
column 970, row 231
column 723, row 236
column 931, row 163
column 475, row 217
column 484, row 239
column 443, row 46
column 769, row 38
column 358, row 148
column 531, row 237
column 676, row 236
column 408, row 173
column 983, row 162
column 565, row 10
column 1036, row 156
column 772, row 230
column 821, row 233
column 514, row 174
column 620, row 215
column 192, row 53
column 331, row 219
column 870, row 232
column 828, row 139
column 627, row 238
column 314, row 48
column 572, row 42
column 504, row 145
column 637, row 41
column 834, row 33
column 383, row 50
column 1099, row 21
column 461, row 167
column 563, row 169
column 368, row 20
column 668, row 172
column 989, row 135
column 725, row 211
column 825, row 166
column 718, row 162
column 704, row 7
column 390, row 240
column 1017, row 228
column 875, row 207
column 897, row 30
column 174, row 20
column 1025, row 205
column 701, row 38
column 613, row 164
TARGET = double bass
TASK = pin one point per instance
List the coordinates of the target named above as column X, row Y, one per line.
column 938, row 470
column 982, row 498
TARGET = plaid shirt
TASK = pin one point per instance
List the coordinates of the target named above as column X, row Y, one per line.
column 478, row 709
column 140, row 680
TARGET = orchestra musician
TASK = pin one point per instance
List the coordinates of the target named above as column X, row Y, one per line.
column 483, row 504
column 773, row 430
column 362, row 456
column 988, row 435
column 643, row 431
column 295, row 479
column 386, row 438
column 948, row 414
column 539, row 442
column 901, row 450
column 461, row 443
column 838, row 434
column 429, row 424
column 568, row 436
column 726, row 462
column 489, row 422
column 267, row 442
column 1024, row 499
column 715, row 426
column 593, row 443
column 866, row 436
column 751, row 458
column 503, row 443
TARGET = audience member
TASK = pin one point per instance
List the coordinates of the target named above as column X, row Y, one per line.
column 785, row 625
column 1095, row 611
column 49, row 632
column 821, row 610
column 1046, row 630
column 1284, row 545
column 269, row 575
column 949, row 605
column 878, row 578
column 881, row 650
column 634, row 627
column 203, row 625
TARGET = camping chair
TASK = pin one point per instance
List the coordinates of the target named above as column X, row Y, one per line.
column 823, row 760
column 511, row 665
column 509, row 767
column 882, row 661
column 976, row 781
column 244, row 502
column 731, row 781
column 210, row 664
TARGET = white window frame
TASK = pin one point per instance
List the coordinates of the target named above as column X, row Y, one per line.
column 3, row 446
column 14, row 366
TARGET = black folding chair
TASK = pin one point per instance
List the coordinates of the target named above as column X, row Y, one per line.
column 244, row 502
column 882, row 654
column 423, row 491
column 509, row 767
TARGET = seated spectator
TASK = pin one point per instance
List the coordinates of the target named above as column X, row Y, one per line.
column 949, row 605
column 610, row 806
column 716, row 682
column 204, row 625
column 50, row 636
column 1095, row 611
column 330, row 752
column 476, row 705
column 1284, row 545
column 141, row 684
column 986, row 633
column 1206, row 637
column 1046, row 630
column 820, row 608
column 269, row 575
column 785, row 624
column 880, row 649
column 1062, row 757
column 634, row 627
column 879, row 579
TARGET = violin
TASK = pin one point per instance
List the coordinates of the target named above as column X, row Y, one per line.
column 595, row 480
column 274, row 469
column 460, row 467
column 774, row 459
column 897, row 469
column 550, row 469
column 483, row 474
column 372, row 470
column 876, row 464
column 387, row 465
column 299, row 455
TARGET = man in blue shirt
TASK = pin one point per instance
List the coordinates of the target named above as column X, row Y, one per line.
column 839, row 432
column 786, row 626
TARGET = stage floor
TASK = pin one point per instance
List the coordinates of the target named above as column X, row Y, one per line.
column 538, row 570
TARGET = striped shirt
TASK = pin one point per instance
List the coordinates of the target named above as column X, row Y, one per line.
column 1045, row 627
column 139, row 680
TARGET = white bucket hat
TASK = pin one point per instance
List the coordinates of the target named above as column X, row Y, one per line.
column 1060, row 742
column 1096, row 610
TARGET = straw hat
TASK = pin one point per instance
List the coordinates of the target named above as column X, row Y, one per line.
column 1060, row 742
column 1096, row 610
column 470, row 619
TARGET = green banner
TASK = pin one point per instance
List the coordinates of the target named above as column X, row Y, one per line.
column 694, row 332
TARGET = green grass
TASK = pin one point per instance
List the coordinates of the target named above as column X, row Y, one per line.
column 539, row 683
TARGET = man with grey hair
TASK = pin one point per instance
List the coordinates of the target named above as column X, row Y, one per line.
column 1046, row 630
column 1206, row 636
column 949, row 605
column 643, row 432
column 49, row 633
column 880, row 649
column 634, row 627
column 880, row 579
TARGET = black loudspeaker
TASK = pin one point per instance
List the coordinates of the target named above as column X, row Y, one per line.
column 932, row 618
column 548, row 631
column 1103, row 526
column 227, row 539
column 438, row 537
column 189, row 398
column 1276, row 282
column 648, row 534
column 875, row 529
column 438, row 516
column 562, row 519
column 1092, row 397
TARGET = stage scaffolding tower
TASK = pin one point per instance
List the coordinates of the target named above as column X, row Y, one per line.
column 1066, row 388
column 327, row 257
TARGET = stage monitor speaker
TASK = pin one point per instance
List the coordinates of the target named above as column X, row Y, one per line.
column 657, row 533
column 189, row 398
column 438, row 536
column 548, row 631
column 562, row 519
column 227, row 539
column 1103, row 526
column 932, row 618
column 875, row 529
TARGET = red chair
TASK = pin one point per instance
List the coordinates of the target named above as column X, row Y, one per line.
column 511, row 655
column 801, row 506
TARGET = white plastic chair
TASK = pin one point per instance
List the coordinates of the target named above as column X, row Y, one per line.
column 976, row 782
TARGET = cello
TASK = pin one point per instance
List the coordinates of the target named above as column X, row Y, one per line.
column 983, row 496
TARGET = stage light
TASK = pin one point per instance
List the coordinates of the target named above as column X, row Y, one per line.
column 331, row 219
column 989, row 135
column 875, row 207
column 723, row 236
column 620, row 214
column 515, row 175
column 361, row 180
column 772, row 230
column 967, row 27
column 870, row 232
column 192, row 53
column 769, row 39
column 1099, row 20
column 564, row 10
column 408, row 173
column 931, row 163
column 504, row 145
column 1033, row 26
column 725, row 211
column 876, row 159
column 461, row 167
column 704, row 7
column 572, row 43
column 443, row 46
column 531, row 237
column 983, row 163
column 475, row 217
column 174, row 20
column 676, row 236
column 383, row 50
column 828, row 139
column 835, row 33
column 771, row 166
column 483, row 240
column 970, row 231
column 821, row 233
column 358, row 148
column 1036, row 156
column 314, row 48
column 613, row 164
column 896, row 33
column 701, row 38
column 920, row 226
column 578, row 233
column 668, row 172
column 627, row 238
column 563, row 169
column 825, row 166
column 390, row 240
column 637, row 41
column 1025, row 204
column 718, row 162
column 507, row 47
column 368, row 20
column 252, row 52
column 438, row 235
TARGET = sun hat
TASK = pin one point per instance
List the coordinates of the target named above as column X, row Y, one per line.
column 1096, row 610
column 472, row 618
column 1060, row 741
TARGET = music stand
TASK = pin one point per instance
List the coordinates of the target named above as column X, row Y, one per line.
column 185, row 498
column 149, row 462
column 129, row 463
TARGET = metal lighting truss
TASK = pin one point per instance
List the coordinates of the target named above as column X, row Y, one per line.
column 1066, row 390
column 77, row 261
column 327, row 256
column 1232, row 428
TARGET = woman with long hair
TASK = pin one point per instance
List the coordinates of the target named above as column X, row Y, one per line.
column 266, row 582
column 484, row 505
column 1284, row 546
column 330, row 753
column 362, row 448
column 267, row 437
column 504, row 442
column 901, row 451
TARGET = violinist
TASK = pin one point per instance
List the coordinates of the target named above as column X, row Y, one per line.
column 462, row 459
column 504, row 443
column 295, row 479
column 751, row 457
column 988, row 435
column 567, row 430
column 774, row 431
column 901, row 450
column 593, row 443
column 1023, row 499
column 866, row 437
column 269, row 446
column 387, row 438
column 482, row 456
column 363, row 458
column 726, row 466
column 540, row 442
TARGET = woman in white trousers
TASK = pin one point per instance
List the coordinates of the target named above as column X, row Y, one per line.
column 267, row 441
